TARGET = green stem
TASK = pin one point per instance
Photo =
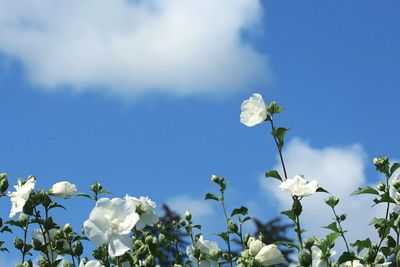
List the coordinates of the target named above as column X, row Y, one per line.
column 43, row 234
column 387, row 192
column 25, row 237
column 341, row 230
column 227, row 226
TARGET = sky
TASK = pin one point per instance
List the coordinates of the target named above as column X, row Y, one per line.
column 144, row 97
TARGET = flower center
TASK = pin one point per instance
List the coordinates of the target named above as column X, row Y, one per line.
column 114, row 225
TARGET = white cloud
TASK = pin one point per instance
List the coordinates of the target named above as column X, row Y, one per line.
column 199, row 208
column 340, row 170
column 131, row 47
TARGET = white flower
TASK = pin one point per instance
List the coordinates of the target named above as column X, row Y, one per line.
column 91, row 263
column 254, row 111
column 111, row 222
column 298, row 186
column 21, row 195
column 145, row 207
column 265, row 255
column 206, row 247
column 63, row 189
column 357, row 263
column 316, row 255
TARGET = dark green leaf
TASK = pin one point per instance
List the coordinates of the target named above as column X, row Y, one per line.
column 394, row 167
column 211, row 196
column 362, row 244
column 240, row 211
column 273, row 174
column 346, row 256
column 333, row 226
column 365, row 190
column 320, row 189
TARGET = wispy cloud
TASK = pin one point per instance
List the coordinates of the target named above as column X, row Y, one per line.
column 199, row 208
column 340, row 170
column 127, row 48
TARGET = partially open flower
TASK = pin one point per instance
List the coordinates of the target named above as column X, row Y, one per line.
column 63, row 189
column 298, row 186
column 208, row 249
column 111, row 222
column 145, row 208
column 254, row 111
column 21, row 195
column 265, row 255
column 91, row 263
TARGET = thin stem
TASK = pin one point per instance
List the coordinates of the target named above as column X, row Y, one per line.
column 298, row 232
column 341, row 230
column 72, row 254
column 241, row 234
column 386, row 217
column 279, row 150
column 227, row 226
column 43, row 234
column 397, row 242
column 25, row 237
column 297, row 222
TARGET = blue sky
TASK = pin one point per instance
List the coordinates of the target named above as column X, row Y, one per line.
column 332, row 65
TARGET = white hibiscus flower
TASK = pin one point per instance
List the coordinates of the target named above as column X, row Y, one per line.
column 207, row 248
column 254, row 111
column 21, row 195
column 298, row 186
column 145, row 207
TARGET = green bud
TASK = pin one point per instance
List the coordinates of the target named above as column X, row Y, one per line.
column 382, row 165
column 3, row 183
column 182, row 223
column 59, row 234
column 59, row 244
column 68, row 228
column 309, row 242
column 233, row 226
column 380, row 259
column 137, row 244
column 188, row 215
column 77, row 248
column 381, row 187
column 342, row 217
column 396, row 184
column 332, row 201
column 23, row 219
column 149, row 240
column 96, row 187
column 18, row 243
column 214, row 179
column 305, row 258
column 149, row 260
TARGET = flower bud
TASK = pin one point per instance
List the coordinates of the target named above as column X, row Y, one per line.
column 137, row 244
column 396, row 184
column 68, row 228
column 18, row 243
column 96, row 187
column 77, row 248
column 309, row 242
column 3, row 183
column 305, row 258
column 382, row 164
column 149, row 260
column 214, row 179
column 233, row 227
column 188, row 215
column 63, row 189
column 380, row 259
column 332, row 201
column 381, row 187
column 23, row 219
column 342, row 217
column 149, row 240
column 59, row 234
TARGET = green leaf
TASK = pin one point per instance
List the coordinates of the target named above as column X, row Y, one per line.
column 286, row 244
column 346, row 256
column 297, row 208
column 224, row 236
column 211, row 196
column 279, row 133
column 83, row 195
column 240, row 211
column 365, row 190
column 394, row 167
column 290, row 214
column 331, row 238
column 384, row 198
column 322, row 190
column 333, row 227
column 273, row 174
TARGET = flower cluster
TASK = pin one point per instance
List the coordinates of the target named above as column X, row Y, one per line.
column 128, row 231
